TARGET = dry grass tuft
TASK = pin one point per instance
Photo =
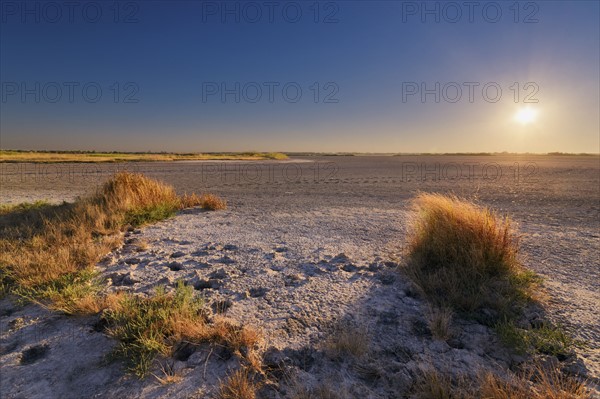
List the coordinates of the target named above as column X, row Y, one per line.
column 239, row 385
column 169, row 375
column 212, row 202
column 432, row 384
column 321, row 391
column 440, row 322
column 464, row 257
column 206, row 201
column 245, row 341
column 47, row 251
column 348, row 340
column 537, row 382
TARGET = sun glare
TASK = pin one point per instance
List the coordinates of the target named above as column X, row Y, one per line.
column 526, row 116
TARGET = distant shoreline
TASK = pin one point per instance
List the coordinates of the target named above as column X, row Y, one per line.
column 26, row 156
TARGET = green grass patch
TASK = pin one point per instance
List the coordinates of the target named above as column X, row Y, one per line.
column 146, row 327
column 71, row 293
column 548, row 339
column 151, row 214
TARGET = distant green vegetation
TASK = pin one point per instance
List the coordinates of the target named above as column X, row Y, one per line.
column 93, row 156
column 23, row 207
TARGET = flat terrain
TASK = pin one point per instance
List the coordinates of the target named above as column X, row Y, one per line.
column 103, row 157
column 304, row 246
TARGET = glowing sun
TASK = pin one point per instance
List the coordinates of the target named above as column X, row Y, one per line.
column 526, row 116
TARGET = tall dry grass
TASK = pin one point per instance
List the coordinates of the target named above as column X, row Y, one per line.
column 239, row 385
column 535, row 382
column 465, row 257
column 44, row 249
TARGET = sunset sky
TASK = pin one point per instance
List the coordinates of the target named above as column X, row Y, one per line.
column 161, row 67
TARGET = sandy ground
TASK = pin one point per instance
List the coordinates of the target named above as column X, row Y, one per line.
column 305, row 249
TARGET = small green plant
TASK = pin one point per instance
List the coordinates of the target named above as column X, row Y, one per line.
column 547, row 339
column 151, row 326
column 71, row 293
column 553, row 340
column 512, row 336
column 151, row 214
column 145, row 326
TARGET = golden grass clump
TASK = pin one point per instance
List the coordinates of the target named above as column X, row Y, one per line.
column 464, row 257
column 536, row 382
column 238, row 385
column 40, row 243
column 206, row 201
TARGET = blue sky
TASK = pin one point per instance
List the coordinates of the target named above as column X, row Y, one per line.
column 161, row 67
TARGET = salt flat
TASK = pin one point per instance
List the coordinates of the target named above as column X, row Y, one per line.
column 306, row 247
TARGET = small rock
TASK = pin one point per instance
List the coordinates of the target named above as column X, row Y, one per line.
column 375, row 266
column 340, row 258
column 200, row 252
column 34, row 353
column 258, row 292
column 350, row 268
column 177, row 254
column 116, row 278
column 230, row 247
column 575, row 367
column 130, row 279
column 175, row 266
column 203, row 284
column 132, row 261
column 387, row 278
column 292, row 280
column 16, row 324
column 439, row 346
column 226, row 260
column 219, row 274
column 456, row 343
column 165, row 281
